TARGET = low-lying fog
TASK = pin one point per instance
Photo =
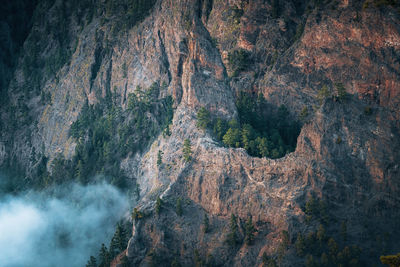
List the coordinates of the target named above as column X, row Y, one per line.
column 61, row 227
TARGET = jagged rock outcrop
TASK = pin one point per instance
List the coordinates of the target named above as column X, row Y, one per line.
column 347, row 152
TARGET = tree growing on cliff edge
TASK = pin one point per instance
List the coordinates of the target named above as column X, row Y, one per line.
column 232, row 137
column 284, row 245
column 104, row 256
column 158, row 205
column 159, row 158
column 119, row 241
column 187, row 150
column 203, row 118
column 232, row 238
column 249, row 230
column 91, row 262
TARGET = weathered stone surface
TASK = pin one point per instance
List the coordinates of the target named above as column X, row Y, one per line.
column 346, row 156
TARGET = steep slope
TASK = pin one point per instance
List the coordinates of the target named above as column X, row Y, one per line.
column 347, row 152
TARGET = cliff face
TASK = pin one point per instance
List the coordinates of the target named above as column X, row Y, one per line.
column 347, row 152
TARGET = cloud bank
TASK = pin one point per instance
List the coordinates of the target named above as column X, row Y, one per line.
column 58, row 228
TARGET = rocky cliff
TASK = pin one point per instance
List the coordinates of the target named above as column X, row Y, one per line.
column 297, row 53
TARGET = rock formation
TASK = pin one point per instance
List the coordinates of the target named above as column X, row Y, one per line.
column 347, row 153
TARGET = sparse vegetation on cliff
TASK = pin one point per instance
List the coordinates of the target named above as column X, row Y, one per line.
column 118, row 244
column 262, row 132
column 108, row 133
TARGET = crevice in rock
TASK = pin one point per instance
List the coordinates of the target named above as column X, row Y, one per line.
column 164, row 57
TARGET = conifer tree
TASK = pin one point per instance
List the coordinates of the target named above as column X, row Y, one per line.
column 187, row 150
column 179, row 210
column 104, row 256
column 232, row 238
column 341, row 91
column 206, row 224
column 91, row 262
column 249, row 230
column 119, row 241
column 158, row 205
column 323, row 94
column 203, row 118
column 300, row 245
column 159, row 157
column 321, row 233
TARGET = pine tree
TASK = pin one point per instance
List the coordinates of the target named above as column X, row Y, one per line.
column 187, row 150
column 166, row 131
column 220, row 128
column 323, row 94
column 310, row 262
column 159, row 157
column 104, row 256
column 300, row 245
column 158, row 205
column 249, row 230
column 333, row 247
column 206, row 224
column 321, row 234
column 232, row 238
column 341, row 91
column 232, row 137
column 92, row 262
column 119, row 241
column 179, row 211
column 203, row 118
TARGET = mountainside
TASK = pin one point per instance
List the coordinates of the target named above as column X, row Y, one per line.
column 117, row 88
